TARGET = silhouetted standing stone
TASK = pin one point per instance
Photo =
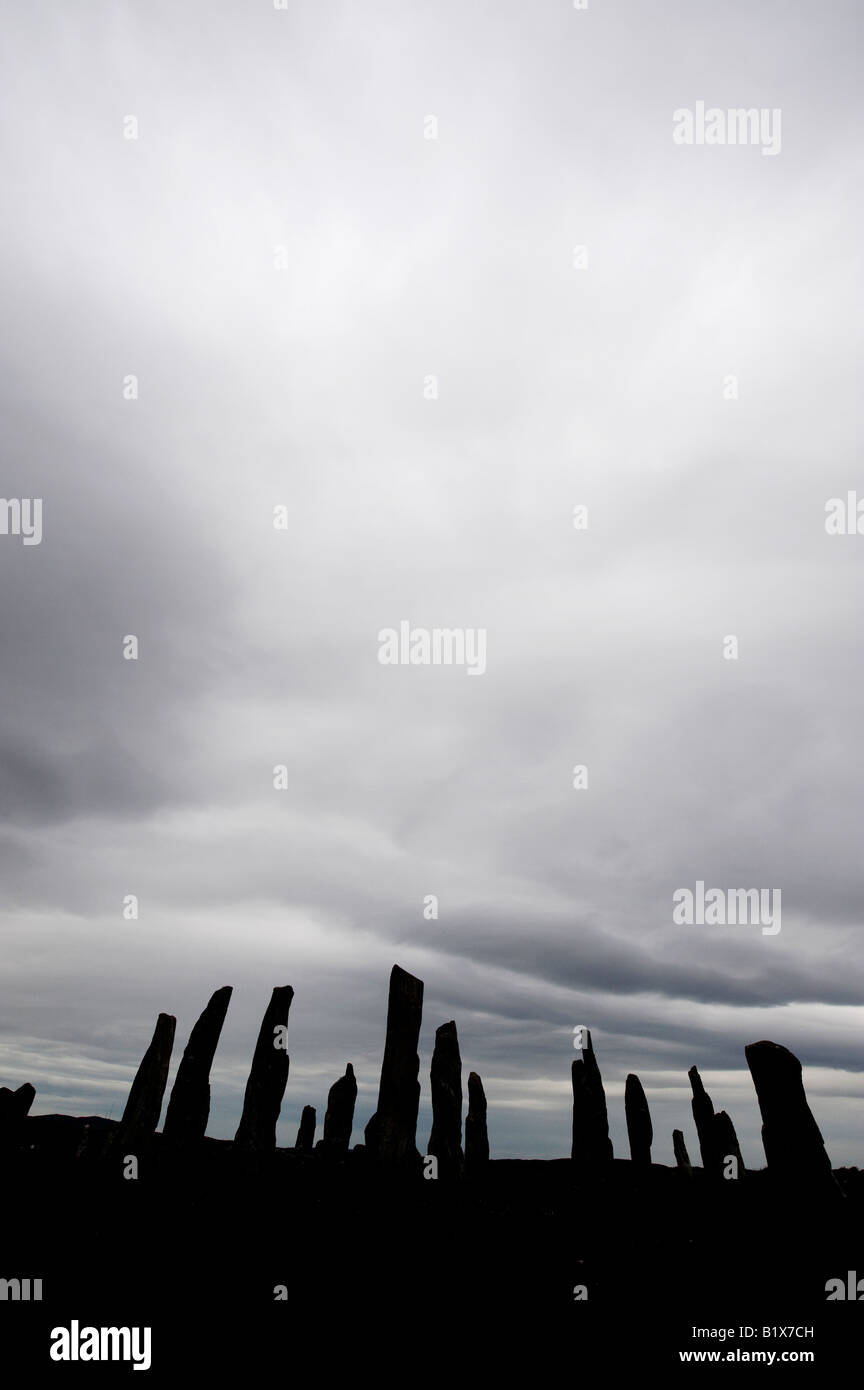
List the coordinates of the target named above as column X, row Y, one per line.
column 682, row 1158
column 267, row 1078
column 391, row 1134
column 144, row 1106
column 726, row 1141
column 703, row 1116
column 306, row 1132
column 15, row 1105
column 591, row 1149
column 189, row 1104
column 445, row 1141
column 14, row 1108
column 639, row 1130
column 339, row 1117
column 476, row 1137
column 793, row 1143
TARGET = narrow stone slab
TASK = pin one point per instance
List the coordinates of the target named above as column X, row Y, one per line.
column 391, row 1134
column 189, row 1104
column 703, row 1116
column 639, row 1130
column 268, row 1077
column 339, row 1116
column 726, row 1142
column 591, row 1148
column 682, row 1158
column 793, row 1143
column 144, row 1106
column 306, row 1132
column 476, row 1136
column 445, row 1140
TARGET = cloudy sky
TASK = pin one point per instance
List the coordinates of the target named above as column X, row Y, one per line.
column 283, row 258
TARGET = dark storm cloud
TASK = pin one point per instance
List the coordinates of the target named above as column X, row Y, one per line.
column 303, row 387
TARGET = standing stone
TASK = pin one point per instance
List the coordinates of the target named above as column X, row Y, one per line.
column 144, row 1105
column 703, row 1116
column 682, row 1158
column 445, row 1141
column 639, row 1130
column 189, row 1104
column 14, row 1108
column 793, row 1143
column 15, row 1105
column 268, row 1077
column 391, row 1134
column 726, row 1142
column 339, row 1117
column 591, row 1148
column 476, row 1136
column 306, row 1132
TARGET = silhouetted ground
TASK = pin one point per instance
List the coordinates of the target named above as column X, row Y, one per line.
column 397, row 1277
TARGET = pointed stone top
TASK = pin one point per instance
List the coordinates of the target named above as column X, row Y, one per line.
column 696, row 1082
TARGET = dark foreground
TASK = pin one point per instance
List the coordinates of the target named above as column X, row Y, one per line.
column 406, row 1279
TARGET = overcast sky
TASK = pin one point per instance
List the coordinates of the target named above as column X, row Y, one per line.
column 299, row 137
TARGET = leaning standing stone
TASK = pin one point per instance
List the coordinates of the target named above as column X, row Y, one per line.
column 267, row 1078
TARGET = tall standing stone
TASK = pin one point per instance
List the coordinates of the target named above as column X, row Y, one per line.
column 682, row 1158
column 268, row 1077
column 445, row 1141
column 793, row 1143
column 189, row 1104
column 591, row 1148
column 639, row 1130
column 476, row 1136
column 703, row 1116
column 306, row 1132
column 726, row 1142
column 339, row 1116
column 391, row 1134
column 144, row 1106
